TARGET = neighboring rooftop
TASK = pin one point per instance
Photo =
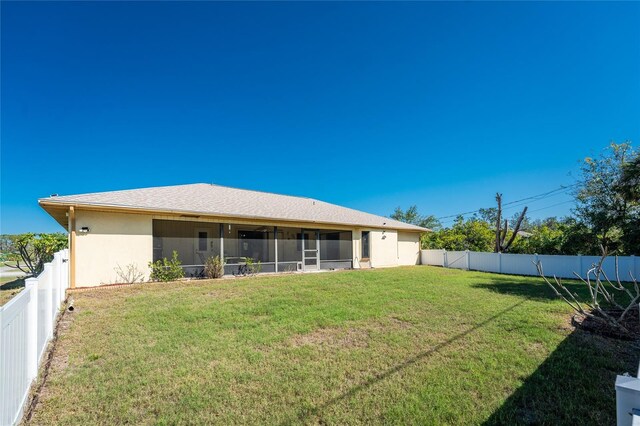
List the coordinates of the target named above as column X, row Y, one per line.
column 205, row 199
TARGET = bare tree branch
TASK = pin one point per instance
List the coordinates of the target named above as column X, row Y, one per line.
column 515, row 230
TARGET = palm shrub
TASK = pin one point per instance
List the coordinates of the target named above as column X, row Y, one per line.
column 166, row 270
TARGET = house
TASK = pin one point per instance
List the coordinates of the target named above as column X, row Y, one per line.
column 198, row 221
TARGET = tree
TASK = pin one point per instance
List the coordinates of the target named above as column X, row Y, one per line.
column 473, row 234
column 543, row 240
column 629, row 184
column 629, row 188
column 525, row 224
column 502, row 231
column 412, row 216
column 7, row 247
column 557, row 236
column 488, row 215
column 605, row 197
column 34, row 250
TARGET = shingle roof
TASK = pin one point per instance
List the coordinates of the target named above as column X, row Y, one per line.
column 216, row 200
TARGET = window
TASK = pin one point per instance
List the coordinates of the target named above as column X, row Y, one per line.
column 365, row 244
column 202, row 240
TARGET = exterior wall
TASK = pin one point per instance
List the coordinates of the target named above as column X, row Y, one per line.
column 123, row 238
column 384, row 248
column 408, row 248
column 113, row 239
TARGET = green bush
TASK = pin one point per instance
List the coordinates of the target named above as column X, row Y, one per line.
column 213, row 267
column 166, row 270
column 253, row 267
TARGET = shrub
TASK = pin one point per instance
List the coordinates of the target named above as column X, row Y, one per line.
column 166, row 270
column 252, row 266
column 213, row 267
column 129, row 274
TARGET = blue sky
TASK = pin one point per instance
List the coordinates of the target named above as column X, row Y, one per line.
column 367, row 105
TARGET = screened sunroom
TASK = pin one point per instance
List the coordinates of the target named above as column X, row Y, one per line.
column 272, row 248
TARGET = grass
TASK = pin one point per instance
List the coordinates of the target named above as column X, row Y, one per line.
column 9, row 287
column 414, row 345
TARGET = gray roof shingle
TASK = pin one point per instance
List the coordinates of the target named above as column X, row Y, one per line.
column 216, row 200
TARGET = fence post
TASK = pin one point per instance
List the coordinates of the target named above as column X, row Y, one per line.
column 31, row 285
column 55, row 291
column 65, row 270
column 45, row 277
column 499, row 262
column 57, row 260
column 445, row 260
column 468, row 260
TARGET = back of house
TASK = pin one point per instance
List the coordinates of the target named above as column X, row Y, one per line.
column 131, row 228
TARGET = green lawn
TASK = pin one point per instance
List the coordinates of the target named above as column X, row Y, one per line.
column 414, row 345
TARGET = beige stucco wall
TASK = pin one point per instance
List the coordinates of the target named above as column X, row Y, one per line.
column 408, row 248
column 114, row 239
column 122, row 239
column 384, row 248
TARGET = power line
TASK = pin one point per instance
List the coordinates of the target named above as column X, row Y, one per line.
column 561, row 190
column 447, row 222
column 552, row 205
column 535, row 200
column 543, row 195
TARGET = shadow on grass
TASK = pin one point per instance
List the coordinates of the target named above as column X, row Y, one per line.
column 574, row 385
column 533, row 288
column 12, row 285
column 305, row 415
column 577, row 380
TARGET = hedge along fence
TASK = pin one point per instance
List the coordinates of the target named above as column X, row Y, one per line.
column 26, row 326
column 523, row 264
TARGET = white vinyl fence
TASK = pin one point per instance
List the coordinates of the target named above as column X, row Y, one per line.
column 522, row 264
column 26, row 326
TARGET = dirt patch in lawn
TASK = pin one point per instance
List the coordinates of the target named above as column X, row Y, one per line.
column 349, row 338
column 399, row 323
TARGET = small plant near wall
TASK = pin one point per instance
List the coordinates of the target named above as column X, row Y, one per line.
column 129, row 274
column 290, row 269
column 214, row 267
column 252, row 266
column 166, row 270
